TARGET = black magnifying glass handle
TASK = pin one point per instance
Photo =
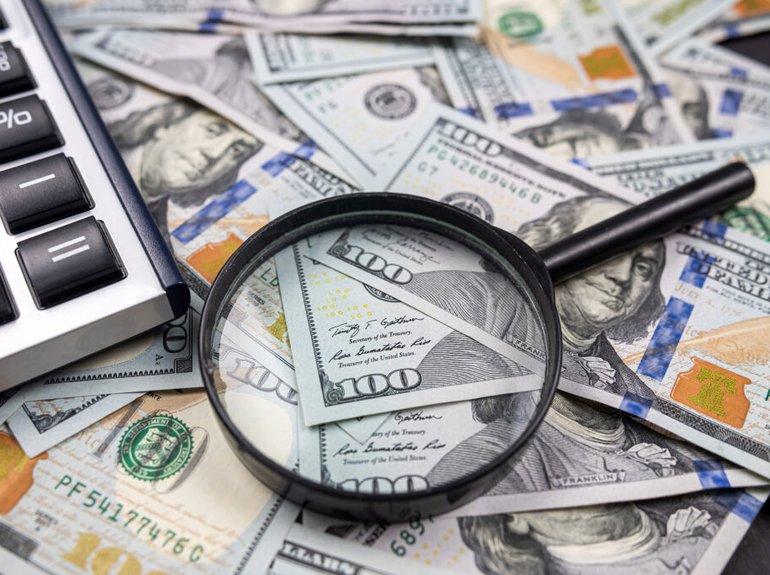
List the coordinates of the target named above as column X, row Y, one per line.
column 650, row 220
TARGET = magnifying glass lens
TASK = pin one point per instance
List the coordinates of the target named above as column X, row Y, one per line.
column 383, row 359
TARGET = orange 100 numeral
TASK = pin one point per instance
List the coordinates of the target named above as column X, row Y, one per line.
column 104, row 561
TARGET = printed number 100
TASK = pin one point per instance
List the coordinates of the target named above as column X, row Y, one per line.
column 378, row 383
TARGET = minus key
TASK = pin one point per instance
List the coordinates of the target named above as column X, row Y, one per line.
column 41, row 192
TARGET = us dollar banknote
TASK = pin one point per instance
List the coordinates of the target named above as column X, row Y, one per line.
column 360, row 120
column 571, row 78
column 212, row 69
column 293, row 57
column 703, row 364
column 208, row 185
column 743, row 18
column 691, row 534
column 276, row 14
column 722, row 93
column 162, row 358
column 309, row 551
column 613, row 354
column 135, row 490
column 582, row 454
column 699, row 54
column 665, row 23
column 359, row 352
column 39, row 425
column 457, row 160
column 652, row 172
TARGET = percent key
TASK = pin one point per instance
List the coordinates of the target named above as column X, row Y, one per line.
column 26, row 128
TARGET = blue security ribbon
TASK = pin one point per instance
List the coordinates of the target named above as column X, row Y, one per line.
column 731, row 102
column 732, row 30
column 582, row 162
column 215, row 15
column 739, row 73
column 214, row 211
column 711, row 474
column 660, row 351
column 470, row 111
column 625, row 96
column 719, row 133
column 739, row 503
column 635, row 405
column 306, row 149
column 513, row 110
column 661, row 90
column 278, row 163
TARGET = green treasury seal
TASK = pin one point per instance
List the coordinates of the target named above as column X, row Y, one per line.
column 155, row 447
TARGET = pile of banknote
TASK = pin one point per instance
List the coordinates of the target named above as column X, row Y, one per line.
column 654, row 455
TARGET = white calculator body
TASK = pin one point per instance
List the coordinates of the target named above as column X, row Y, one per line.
column 82, row 265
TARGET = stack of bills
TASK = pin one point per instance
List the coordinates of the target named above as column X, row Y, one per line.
column 654, row 454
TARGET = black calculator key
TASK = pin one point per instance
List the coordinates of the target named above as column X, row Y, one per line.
column 40, row 192
column 69, row 261
column 7, row 312
column 14, row 74
column 26, row 127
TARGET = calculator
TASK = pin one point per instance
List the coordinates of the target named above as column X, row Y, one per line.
column 82, row 264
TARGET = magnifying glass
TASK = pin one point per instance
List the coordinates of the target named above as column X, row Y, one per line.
column 463, row 401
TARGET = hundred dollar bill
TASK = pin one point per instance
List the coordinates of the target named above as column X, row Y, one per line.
column 309, row 552
column 293, row 57
column 691, row 534
column 272, row 13
column 40, row 424
column 211, row 69
column 722, row 94
column 368, row 353
column 607, row 313
column 571, row 78
column 163, row 358
column 276, row 13
column 704, row 364
column 697, row 54
column 744, row 18
column 665, row 23
column 154, row 488
column 582, row 454
column 652, row 172
column 455, row 159
column 208, row 185
column 360, row 120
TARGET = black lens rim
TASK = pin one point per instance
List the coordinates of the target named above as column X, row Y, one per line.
column 397, row 209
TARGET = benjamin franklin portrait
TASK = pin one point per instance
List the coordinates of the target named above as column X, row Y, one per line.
column 665, row 535
column 617, row 300
column 181, row 152
column 591, row 132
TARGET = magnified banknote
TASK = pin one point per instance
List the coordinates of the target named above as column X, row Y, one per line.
column 571, row 78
